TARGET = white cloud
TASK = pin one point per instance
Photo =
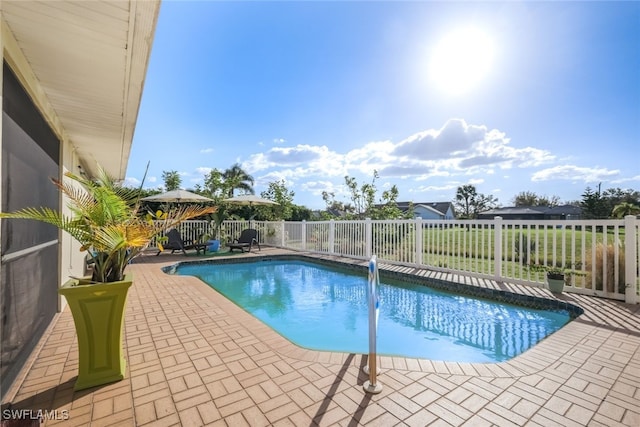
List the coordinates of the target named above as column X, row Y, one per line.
column 623, row 180
column 131, row 182
column 206, row 150
column 431, row 188
column 458, row 151
column 453, row 139
column 317, row 187
column 203, row 170
column 277, row 176
column 135, row 182
column 304, row 159
column 456, row 148
column 573, row 173
column 279, row 140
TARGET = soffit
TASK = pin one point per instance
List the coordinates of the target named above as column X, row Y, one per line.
column 89, row 60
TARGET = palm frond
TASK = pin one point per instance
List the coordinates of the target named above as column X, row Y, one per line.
column 105, row 221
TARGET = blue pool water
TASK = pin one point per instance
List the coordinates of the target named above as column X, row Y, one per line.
column 325, row 308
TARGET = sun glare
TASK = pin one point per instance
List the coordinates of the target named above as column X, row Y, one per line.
column 461, row 60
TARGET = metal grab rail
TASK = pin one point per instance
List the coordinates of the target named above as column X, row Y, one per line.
column 372, row 385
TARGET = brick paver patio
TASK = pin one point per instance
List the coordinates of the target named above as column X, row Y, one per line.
column 194, row 359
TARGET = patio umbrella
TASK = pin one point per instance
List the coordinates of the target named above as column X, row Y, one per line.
column 177, row 196
column 249, row 199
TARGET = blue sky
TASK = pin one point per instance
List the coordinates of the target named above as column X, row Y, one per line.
column 509, row 97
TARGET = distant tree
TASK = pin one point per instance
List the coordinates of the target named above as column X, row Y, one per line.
column 617, row 196
column 334, row 208
column 525, row 198
column 300, row 213
column 465, row 196
column 236, row 178
column 214, row 186
column 549, row 201
column 277, row 192
column 389, row 207
column 172, row 180
column 625, row 208
column 594, row 206
column 469, row 203
column 529, row 198
column 484, row 202
column 363, row 197
column 144, row 192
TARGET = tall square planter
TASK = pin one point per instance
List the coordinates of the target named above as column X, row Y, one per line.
column 98, row 315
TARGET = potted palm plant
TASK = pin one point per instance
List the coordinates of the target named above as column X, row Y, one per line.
column 217, row 218
column 106, row 220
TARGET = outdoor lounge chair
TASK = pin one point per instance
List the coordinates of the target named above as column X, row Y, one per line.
column 175, row 243
column 247, row 239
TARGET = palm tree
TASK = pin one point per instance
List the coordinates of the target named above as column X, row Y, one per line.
column 235, row 178
column 624, row 209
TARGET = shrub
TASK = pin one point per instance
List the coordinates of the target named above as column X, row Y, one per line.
column 599, row 272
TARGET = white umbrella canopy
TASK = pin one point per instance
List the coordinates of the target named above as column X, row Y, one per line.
column 177, row 196
column 249, row 199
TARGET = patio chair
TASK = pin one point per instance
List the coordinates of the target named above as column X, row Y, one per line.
column 175, row 243
column 247, row 239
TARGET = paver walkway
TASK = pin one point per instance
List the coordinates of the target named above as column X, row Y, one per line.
column 194, row 359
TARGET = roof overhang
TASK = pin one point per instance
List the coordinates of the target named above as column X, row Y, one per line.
column 84, row 63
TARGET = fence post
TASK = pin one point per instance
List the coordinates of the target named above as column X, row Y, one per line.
column 304, row 234
column 419, row 241
column 630, row 260
column 332, row 236
column 497, row 248
column 368, row 238
column 282, row 231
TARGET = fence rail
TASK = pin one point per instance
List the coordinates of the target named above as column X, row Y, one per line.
column 603, row 254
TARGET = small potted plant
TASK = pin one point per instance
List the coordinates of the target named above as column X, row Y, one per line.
column 555, row 279
column 556, row 275
column 106, row 221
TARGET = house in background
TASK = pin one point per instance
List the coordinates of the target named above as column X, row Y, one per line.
column 534, row 213
column 430, row 210
column 71, row 83
column 564, row 212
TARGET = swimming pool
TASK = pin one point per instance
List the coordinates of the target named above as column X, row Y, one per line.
column 323, row 307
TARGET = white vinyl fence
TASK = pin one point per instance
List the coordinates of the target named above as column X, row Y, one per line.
column 602, row 253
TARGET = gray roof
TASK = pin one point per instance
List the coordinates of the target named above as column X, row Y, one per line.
column 517, row 210
column 535, row 210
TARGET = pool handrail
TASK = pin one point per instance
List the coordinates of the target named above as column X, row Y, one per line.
column 372, row 385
